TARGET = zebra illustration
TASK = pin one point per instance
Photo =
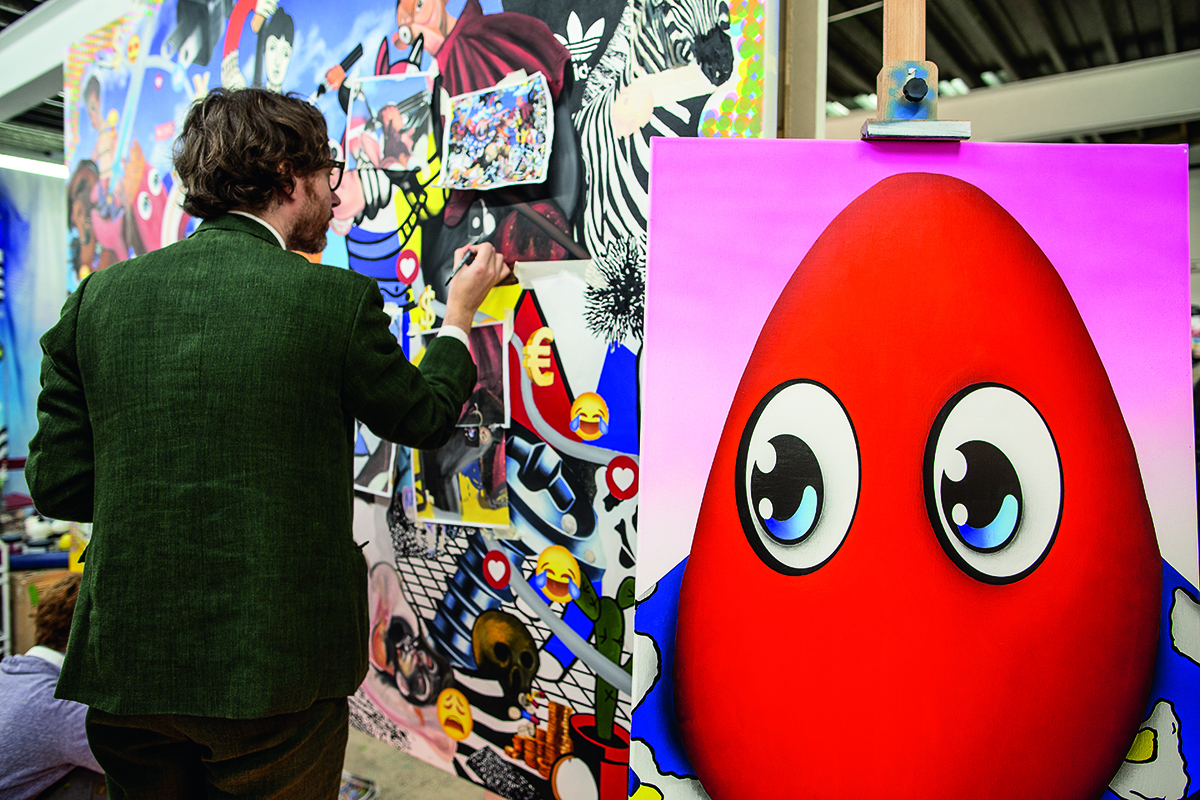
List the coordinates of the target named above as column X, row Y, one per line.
column 651, row 37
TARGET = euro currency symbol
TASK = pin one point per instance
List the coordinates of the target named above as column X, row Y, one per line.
column 536, row 357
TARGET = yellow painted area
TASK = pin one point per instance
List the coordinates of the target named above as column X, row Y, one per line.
column 77, row 544
column 1143, row 747
column 499, row 300
column 424, row 509
column 473, row 510
column 416, row 362
column 645, row 792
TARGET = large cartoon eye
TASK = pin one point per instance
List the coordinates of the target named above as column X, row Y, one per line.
column 405, row 34
column 993, row 483
column 797, row 477
column 143, row 206
column 153, row 182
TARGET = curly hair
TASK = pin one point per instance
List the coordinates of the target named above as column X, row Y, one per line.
column 54, row 611
column 241, row 148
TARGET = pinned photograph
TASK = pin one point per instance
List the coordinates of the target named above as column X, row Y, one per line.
column 464, row 482
column 390, row 122
column 498, row 136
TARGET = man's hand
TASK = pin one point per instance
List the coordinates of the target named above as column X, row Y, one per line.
column 471, row 285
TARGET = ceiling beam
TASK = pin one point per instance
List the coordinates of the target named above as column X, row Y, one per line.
column 963, row 19
column 1110, row 47
column 19, row 6
column 1120, row 97
column 35, row 45
column 1168, row 23
column 1044, row 31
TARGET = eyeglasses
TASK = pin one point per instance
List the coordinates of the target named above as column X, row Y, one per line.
column 336, row 169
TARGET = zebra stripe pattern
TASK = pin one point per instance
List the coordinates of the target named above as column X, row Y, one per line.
column 651, row 36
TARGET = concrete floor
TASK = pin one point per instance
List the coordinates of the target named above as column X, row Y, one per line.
column 402, row 777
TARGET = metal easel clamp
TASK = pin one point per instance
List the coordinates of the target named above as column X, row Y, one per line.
column 906, row 89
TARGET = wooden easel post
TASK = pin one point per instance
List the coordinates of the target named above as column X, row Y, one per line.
column 907, row 86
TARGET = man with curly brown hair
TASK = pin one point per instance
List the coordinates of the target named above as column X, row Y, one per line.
column 197, row 406
column 43, row 737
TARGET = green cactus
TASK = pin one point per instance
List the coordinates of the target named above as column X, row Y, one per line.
column 608, row 616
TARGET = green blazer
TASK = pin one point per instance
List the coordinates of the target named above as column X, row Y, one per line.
column 197, row 406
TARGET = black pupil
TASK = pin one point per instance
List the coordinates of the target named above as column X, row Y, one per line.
column 989, row 480
column 796, row 467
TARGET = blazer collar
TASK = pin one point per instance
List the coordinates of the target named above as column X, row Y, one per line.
column 240, row 224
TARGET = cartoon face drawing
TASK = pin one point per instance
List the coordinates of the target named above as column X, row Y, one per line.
column 278, row 55
column 937, row 555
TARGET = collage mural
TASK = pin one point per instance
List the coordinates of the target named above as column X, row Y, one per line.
column 501, row 566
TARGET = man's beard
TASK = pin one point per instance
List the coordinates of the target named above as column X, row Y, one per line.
column 308, row 234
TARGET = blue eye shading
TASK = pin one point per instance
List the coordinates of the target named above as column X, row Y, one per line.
column 984, row 503
column 995, row 534
column 787, row 498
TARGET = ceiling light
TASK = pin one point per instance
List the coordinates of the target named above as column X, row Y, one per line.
column 36, row 167
column 868, row 102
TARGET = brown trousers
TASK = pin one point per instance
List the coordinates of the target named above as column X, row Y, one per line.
column 296, row 756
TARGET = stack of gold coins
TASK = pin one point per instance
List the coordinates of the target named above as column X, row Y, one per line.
column 564, row 742
column 546, row 754
column 530, row 752
column 516, row 749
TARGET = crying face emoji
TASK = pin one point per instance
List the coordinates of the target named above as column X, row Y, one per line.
column 557, row 574
column 589, row 416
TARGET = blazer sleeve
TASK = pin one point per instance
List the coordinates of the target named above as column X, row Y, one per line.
column 60, row 470
column 397, row 401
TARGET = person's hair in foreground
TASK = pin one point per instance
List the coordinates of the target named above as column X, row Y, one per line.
column 240, row 148
column 54, row 611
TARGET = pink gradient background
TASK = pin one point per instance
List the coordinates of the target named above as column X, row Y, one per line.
column 731, row 219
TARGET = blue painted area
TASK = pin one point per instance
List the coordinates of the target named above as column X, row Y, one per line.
column 577, row 621
column 1177, row 680
column 654, row 717
column 360, row 444
column 618, row 387
column 14, row 407
column 474, row 474
column 996, row 532
column 334, row 254
column 798, row 526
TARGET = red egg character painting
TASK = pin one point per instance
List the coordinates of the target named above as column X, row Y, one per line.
column 947, row 578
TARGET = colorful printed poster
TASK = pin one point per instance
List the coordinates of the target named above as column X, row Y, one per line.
column 463, row 482
column 391, row 120
column 499, row 137
column 935, row 477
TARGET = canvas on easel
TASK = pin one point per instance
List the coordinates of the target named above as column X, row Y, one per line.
column 932, row 500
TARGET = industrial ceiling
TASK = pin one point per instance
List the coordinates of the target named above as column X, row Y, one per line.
column 976, row 44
